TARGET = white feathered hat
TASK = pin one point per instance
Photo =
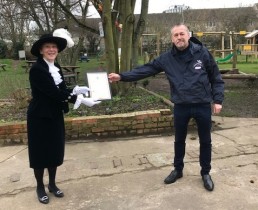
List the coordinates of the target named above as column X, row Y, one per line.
column 64, row 33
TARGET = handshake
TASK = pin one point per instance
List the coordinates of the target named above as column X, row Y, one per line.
column 80, row 91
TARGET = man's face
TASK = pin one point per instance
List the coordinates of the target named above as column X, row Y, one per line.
column 180, row 37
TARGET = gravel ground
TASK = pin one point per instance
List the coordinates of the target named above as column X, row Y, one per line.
column 241, row 96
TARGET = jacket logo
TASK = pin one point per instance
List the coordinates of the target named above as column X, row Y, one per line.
column 198, row 65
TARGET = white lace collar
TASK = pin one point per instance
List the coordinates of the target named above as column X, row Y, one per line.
column 54, row 71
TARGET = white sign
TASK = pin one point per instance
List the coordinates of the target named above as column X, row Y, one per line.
column 101, row 31
column 22, row 54
column 99, row 85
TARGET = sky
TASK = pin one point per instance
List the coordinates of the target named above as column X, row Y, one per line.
column 158, row 6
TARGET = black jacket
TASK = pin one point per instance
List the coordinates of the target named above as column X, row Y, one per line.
column 194, row 76
column 48, row 100
column 45, row 119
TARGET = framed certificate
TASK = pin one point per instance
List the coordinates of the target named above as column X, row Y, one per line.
column 99, row 85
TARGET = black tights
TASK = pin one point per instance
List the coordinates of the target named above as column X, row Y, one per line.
column 39, row 173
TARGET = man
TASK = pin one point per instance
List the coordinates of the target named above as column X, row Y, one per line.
column 195, row 85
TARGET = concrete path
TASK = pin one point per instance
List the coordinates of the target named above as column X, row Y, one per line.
column 128, row 173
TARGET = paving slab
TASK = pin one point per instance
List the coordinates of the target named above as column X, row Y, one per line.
column 128, row 173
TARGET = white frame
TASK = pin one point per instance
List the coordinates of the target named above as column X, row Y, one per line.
column 99, row 85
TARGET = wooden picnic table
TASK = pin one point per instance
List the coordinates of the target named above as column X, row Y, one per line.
column 28, row 64
column 70, row 68
column 71, row 73
column 3, row 66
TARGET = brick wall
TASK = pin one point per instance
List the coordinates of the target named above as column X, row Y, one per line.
column 136, row 123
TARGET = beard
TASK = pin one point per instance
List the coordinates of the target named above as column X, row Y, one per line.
column 181, row 45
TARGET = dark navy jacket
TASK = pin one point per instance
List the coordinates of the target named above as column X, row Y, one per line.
column 194, row 78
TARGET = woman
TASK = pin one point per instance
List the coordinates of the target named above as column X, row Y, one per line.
column 45, row 120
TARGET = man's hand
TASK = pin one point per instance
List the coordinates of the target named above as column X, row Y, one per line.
column 216, row 108
column 113, row 77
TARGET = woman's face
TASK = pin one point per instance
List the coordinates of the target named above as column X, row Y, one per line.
column 49, row 51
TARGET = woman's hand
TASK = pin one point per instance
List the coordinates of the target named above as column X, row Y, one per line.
column 81, row 90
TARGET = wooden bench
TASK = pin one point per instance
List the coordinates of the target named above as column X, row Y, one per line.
column 27, row 65
column 70, row 78
column 3, row 66
column 26, row 68
column 71, row 73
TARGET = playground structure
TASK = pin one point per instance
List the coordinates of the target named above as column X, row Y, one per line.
column 249, row 49
column 228, row 57
column 231, row 54
column 223, row 34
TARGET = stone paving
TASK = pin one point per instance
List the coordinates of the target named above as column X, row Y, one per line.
column 128, row 173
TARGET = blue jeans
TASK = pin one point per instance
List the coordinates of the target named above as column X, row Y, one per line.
column 201, row 113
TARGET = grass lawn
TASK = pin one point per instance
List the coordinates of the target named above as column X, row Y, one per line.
column 15, row 77
column 250, row 67
column 240, row 96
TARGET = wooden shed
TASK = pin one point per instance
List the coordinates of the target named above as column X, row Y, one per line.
column 252, row 38
column 251, row 46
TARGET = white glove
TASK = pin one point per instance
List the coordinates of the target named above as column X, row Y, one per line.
column 87, row 101
column 81, row 90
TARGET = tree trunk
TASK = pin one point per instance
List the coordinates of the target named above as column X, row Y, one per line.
column 127, row 34
column 138, row 32
column 109, row 41
column 127, row 19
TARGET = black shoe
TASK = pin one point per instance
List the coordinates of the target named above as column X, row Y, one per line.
column 173, row 176
column 207, row 182
column 42, row 196
column 56, row 191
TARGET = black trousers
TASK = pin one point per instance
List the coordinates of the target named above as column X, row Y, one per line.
column 201, row 113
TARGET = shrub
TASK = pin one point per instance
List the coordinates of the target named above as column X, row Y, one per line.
column 145, row 83
column 3, row 49
column 22, row 97
column 18, row 46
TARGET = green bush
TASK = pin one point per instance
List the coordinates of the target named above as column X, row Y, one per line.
column 145, row 83
column 3, row 49
column 16, row 48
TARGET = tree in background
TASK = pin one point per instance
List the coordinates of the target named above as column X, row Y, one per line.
column 117, row 16
column 23, row 21
column 121, row 33
column 12, row 25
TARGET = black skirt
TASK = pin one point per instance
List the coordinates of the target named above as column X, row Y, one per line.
column 46, row 141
